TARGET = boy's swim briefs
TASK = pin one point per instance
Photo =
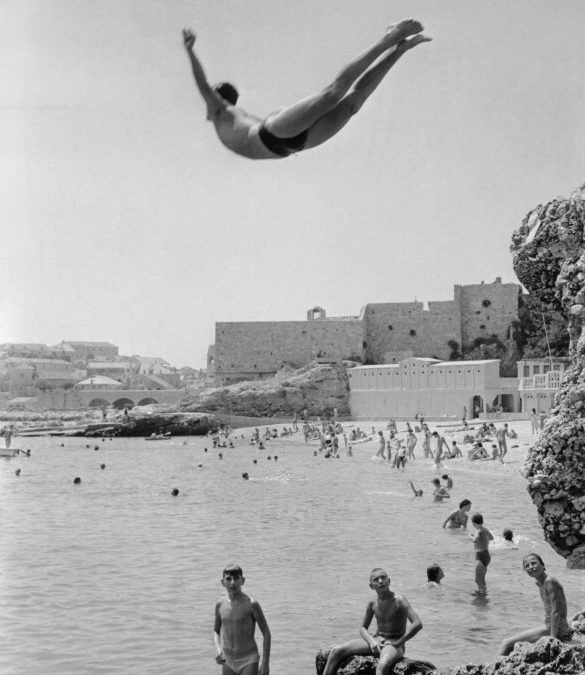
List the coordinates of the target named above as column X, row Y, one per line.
column 283, row 147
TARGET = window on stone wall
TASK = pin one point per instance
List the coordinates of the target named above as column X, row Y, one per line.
column 412, row 332
column 482, row 326
column 390, row 328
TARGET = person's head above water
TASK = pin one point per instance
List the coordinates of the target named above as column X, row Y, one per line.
column 508, row 534
column 435, row 573
column 227, row 91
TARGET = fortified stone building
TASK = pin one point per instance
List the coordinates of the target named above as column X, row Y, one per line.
column 382, row 333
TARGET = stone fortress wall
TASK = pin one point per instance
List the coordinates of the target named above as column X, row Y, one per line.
column 487, row 309
column 253, row 350
column 257, row 349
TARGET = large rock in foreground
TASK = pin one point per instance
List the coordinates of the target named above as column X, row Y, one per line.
column 549, row 259
column 548, row 656
column 318, row 388
column 366, row 665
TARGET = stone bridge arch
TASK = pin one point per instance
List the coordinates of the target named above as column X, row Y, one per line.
column 147, row 401
column 121, row 403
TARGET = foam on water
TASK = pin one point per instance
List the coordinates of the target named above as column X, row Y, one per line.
column 116, row 575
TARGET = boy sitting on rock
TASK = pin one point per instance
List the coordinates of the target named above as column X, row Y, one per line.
column 391, row 612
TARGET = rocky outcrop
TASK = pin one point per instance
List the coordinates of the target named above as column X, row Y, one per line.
column 548, row 656
column 172, row 423
column 318, row 388
column 549, row 259
column 366, row 665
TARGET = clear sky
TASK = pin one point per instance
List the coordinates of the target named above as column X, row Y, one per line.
column 125, row 220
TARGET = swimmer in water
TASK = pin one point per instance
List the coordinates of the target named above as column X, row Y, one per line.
column 417, row 493
column 439, row 493
column 392, row 613
column 434, row 576
column 555, row 607
column 459, row 517
column 312, row 120
column 508, row 536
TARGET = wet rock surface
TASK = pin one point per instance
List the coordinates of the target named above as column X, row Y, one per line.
column 549, row 259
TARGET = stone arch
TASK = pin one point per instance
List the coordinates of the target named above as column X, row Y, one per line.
column 122, row 403
column 147, row 401
column 98, row 403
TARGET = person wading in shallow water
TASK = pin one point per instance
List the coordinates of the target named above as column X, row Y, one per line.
column 312, row 120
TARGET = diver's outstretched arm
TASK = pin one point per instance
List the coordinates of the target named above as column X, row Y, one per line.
column 210, row 96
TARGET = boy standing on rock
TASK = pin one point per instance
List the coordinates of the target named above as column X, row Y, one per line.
column 392, row 613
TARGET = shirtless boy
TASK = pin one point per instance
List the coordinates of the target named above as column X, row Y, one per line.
column 555, row 607
column 481, row 542
column 392, row 613
column 313, row 120
column 235, row 621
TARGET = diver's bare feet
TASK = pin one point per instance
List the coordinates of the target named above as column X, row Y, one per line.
column 402, row 30
column 405, row 45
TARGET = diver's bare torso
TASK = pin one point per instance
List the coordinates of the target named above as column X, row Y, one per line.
column 238, row 131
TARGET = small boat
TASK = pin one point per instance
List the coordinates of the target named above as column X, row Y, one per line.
column 158, row 437
column 9, row 452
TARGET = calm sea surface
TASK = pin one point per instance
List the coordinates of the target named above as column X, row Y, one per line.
column 117, row 576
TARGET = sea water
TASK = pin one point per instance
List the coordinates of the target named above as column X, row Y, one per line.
column 115, row 575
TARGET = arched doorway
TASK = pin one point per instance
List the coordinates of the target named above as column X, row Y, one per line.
column 477, row 405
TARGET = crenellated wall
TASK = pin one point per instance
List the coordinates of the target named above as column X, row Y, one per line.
column 254, row 350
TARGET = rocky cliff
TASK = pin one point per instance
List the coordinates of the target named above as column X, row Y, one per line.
column 549, row 259
column 317, row 388
column 548, row 656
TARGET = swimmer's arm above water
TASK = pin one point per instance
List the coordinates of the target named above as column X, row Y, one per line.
column 213, row 100
column 449, row 517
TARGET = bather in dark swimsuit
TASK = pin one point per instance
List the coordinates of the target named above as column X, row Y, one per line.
column 484, row 557
column 283, row 147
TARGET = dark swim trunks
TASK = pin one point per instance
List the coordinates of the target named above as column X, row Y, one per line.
column 484, row 557
column 283, row 147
